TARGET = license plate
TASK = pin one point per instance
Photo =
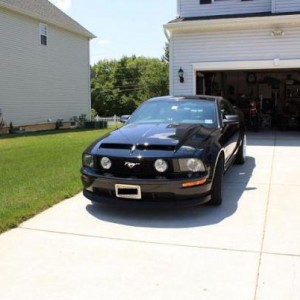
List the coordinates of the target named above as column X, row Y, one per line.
column 128, row 191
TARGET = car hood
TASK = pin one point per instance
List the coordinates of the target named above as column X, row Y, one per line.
column 140, row 139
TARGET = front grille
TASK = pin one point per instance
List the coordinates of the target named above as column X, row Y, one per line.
column 135, row 168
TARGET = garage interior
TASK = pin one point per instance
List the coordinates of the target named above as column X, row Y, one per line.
column 276, row 94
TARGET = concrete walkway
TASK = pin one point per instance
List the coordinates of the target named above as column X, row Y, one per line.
column 249, row 248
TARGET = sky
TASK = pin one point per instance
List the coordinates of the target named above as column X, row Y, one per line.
column 130, row 27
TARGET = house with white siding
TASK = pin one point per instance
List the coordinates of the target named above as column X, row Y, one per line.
column 241, row 49
column 44, row 63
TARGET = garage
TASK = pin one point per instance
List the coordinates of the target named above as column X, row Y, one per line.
column 273, row 91
column 243, row 50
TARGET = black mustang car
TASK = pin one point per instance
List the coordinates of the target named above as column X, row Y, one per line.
column 172, row 151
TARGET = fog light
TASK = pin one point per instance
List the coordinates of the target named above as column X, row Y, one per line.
column 105, row 163
column 160, row 165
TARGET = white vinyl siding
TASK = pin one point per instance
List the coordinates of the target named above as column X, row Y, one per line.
column 193, row 8
column 40, row 83
column 189, row 49
column 282, row 6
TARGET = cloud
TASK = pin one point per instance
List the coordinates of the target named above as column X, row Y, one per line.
column 103, row 42
column 64, row 5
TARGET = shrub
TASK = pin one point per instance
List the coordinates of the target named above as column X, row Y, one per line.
column 11, row 128
column 59, row 124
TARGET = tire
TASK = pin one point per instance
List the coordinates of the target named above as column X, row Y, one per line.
column 241, row 154
column 217, row 184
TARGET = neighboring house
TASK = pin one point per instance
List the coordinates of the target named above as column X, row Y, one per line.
column 241, row 49
column 44, row 63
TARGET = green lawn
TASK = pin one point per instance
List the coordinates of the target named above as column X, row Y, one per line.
column 39, row 170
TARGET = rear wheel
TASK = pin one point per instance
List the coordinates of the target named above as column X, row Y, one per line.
column 241, row 155
column 216, row 189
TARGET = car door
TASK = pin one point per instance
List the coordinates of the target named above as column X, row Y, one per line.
column 230, row 130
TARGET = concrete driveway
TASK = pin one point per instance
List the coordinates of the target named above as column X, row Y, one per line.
column 249, row 248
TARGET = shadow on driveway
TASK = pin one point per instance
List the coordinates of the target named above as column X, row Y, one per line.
column 235, row 183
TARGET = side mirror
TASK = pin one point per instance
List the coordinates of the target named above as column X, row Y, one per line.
column 124, row 118
column 231, row 119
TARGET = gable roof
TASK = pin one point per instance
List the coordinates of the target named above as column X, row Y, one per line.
column 46, row 12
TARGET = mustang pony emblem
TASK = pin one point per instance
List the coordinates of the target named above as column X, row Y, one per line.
column 131, row 164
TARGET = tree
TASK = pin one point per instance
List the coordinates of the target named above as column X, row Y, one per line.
column 102, row 87
column 119, row 86
column 155, row 79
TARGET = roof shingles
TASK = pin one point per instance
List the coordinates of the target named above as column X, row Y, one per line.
column 46, row 12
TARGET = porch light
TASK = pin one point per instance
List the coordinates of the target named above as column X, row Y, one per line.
column 180, row 75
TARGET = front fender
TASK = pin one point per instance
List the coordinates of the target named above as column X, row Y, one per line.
column 215, row 152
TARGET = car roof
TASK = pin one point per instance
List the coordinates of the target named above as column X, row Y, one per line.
column 182, row 98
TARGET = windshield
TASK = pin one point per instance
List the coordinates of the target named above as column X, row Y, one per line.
column 177, row 112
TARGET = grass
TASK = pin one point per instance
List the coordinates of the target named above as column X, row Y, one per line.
column 38, row 170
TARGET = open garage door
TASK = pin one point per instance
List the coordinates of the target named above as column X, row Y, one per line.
column 275, row 91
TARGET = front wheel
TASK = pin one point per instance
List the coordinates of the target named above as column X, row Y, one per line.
column 217, row 184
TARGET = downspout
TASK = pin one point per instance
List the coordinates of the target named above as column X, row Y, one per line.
column 273, row 8
column 168, row 36
column 178, row 8
column 89, row 83
column 89, row 80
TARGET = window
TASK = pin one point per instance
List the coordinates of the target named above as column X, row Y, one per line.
column 212, row 1
column 43, row 34
column 205, row 1
column 177, row 112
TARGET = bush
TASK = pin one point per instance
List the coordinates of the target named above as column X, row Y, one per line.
column 82, row 120
column 94, row 124
column 93, row 114
column 11, row 128
column 59, row 124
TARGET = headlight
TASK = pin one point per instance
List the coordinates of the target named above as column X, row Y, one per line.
column 88, row 160
column 191, row 165
column 105, row 163
column 160, row 165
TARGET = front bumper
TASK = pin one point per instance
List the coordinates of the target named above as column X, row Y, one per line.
column 155, row 193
